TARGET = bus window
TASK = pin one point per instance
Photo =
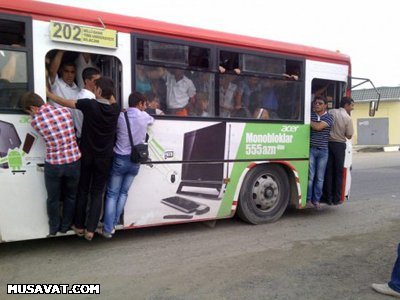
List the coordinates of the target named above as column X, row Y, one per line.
column 264, row 65
column 162, row 53
column 13, row 63
column 229, row 61
column 178, row 76
column 13, row 75
column 166, row 53
column 256, row 97
column 12, row 33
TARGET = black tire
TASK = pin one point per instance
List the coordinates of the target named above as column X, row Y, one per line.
column 264, row 195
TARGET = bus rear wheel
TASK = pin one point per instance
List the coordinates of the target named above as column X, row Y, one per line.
column 264, row 195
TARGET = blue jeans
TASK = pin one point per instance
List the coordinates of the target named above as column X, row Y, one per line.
column 316, row 173
column 394, row 282
column 61, row 181
column 122, row 173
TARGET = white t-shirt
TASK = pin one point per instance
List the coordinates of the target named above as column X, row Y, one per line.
column 62, row 89
column 178, row 92
column 86, row 94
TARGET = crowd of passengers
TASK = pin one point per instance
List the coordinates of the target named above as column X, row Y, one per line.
column 191, row 93
column 88, row 149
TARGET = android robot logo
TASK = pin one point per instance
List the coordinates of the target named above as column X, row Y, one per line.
column 15, row 160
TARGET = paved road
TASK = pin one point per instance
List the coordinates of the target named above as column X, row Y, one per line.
column 333, row 254
column 376, row 175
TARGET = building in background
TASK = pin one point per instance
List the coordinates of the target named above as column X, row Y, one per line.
column 383, row 129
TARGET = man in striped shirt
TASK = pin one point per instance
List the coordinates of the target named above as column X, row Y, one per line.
column 321, row 124
column 62, row 164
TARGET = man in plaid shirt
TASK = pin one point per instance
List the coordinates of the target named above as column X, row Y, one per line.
column 62, row 164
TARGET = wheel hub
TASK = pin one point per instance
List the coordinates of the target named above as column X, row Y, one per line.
column 265, row 192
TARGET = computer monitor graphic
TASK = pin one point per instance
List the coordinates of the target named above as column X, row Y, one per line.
column 9, row 139
column 203, row 156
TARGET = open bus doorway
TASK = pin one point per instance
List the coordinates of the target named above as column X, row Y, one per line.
column 332, row 90
column 109, row 66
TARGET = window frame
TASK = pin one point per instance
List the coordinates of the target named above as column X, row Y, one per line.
column 28, row 49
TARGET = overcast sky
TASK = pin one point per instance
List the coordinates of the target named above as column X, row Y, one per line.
column 367, row 31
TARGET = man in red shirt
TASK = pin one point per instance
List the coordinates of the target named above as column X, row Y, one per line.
column 62, row 164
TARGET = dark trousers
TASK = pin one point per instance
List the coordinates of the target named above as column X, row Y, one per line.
column 59, row 178
column 334, row 173
column 394, row 282
column 94, row 175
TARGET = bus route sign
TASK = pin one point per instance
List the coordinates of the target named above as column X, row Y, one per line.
column 84, row 35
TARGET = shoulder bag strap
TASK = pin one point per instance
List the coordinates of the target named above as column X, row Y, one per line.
column 129, row 128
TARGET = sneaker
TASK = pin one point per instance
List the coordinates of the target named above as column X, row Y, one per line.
column 385, row 289
column 52, row 234
column 106, row 234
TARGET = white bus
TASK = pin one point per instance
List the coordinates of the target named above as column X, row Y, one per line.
column 242, row 148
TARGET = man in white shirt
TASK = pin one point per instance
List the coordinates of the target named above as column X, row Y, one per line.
column 89, row 76
column 64, row 85
column 180, row 92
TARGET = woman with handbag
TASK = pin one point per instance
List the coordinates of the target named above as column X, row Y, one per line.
column 131, row 134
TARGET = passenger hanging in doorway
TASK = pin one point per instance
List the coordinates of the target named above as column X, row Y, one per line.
column 341, row 131
column 321, row 124
column 123, row 170
column 62, row 164
column 62, row 83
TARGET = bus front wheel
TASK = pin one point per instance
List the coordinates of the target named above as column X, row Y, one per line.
column 264, row 195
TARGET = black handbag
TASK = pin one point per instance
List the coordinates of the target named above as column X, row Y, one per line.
column 140, row 152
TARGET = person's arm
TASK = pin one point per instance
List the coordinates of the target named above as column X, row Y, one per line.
column 320, row 91
column 238, row 99
column 53, row 96
column 63, row 102
column 349, row 130
column 191, row 92
column 319, row 126
column 157, row 73
column 192, row 100
column 55, row 65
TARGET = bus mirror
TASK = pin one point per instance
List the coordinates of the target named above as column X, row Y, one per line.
column 372, row 108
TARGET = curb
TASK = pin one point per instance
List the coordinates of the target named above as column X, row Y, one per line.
column 376, row 149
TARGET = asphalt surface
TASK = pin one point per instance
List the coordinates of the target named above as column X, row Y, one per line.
column 335, row 253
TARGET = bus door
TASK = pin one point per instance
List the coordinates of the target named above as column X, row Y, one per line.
column 330, row 81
